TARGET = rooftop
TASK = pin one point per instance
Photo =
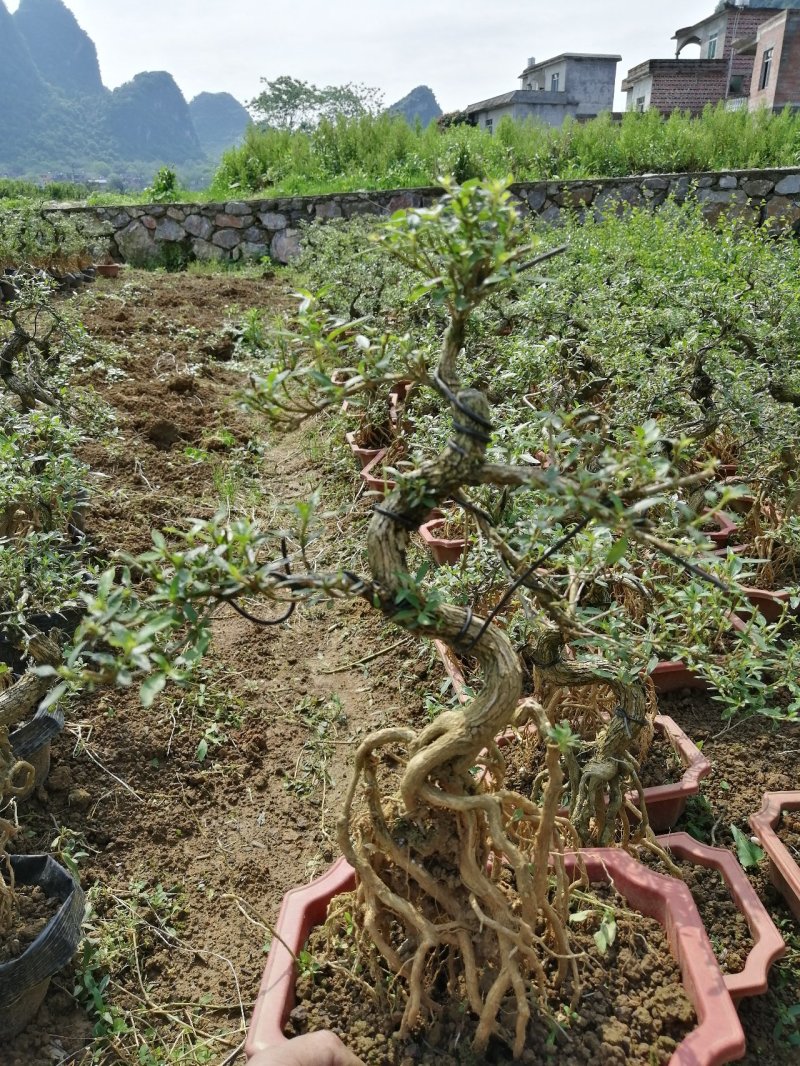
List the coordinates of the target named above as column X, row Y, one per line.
column 569, row 55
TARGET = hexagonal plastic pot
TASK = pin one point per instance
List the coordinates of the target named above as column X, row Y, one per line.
column 446, row 551
column 674, row 676
column 717, row 1039
column 783, row 869
column 301, row 910
column 768, row 944
column 665, row 803
column 373, row 478
column 363, row 456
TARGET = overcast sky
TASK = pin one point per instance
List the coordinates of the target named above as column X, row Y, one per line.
column 466, row 50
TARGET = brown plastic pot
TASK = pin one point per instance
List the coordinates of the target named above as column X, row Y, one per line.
column 726, row 527
column 770, row 604
column 718, row 1038
column 364, row 456
column 783, row 869
column 674, row 676
column 446, row 551
column 108, row 270
column 768, row 944
column 373, row 477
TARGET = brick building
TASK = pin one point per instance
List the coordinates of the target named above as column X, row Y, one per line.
column 775, row 51
column 728, row 64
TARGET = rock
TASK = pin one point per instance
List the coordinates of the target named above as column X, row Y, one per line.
column 80, row 799
column 226, row 238
column 788, row 186
column 207, row 252
column 402, row 202
column 575, row 196
column 237, row 207
column 233, row 221
column 271, row 220
column 728, row 181
column 197, row 226
column 722, row 196
column 758, row 188
column 285, row 246
column 136, row 244
column 655, row 184
column 537, row 198
column 169, row 230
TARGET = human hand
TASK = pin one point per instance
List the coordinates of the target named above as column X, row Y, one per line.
column 311, row 1049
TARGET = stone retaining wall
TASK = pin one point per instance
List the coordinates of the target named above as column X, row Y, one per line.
column 173, row 234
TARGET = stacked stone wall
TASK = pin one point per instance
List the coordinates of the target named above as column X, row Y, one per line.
column 252, row 229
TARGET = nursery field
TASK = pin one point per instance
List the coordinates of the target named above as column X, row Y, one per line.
column 604, row 532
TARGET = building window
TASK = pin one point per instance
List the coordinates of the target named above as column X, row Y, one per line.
column 489, row 124
column 712, row 47
column 556, row 78
column 766, row 68
column 736, row 87
column 640, row 102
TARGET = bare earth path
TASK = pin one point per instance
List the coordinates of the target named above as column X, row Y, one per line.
column 198, row 814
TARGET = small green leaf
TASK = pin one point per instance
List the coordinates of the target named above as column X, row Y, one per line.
column 750, row 854
column 150, row 688
column 617, row 551
column 202, row 750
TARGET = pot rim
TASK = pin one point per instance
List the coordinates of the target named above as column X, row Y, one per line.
column 768, row 944
column 718, row 1037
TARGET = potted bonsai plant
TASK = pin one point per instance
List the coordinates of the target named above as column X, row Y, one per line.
column 463, row 890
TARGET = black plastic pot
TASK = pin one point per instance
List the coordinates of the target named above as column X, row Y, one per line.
column 24, row 981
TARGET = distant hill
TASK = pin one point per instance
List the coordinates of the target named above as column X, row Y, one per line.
column 57, row 117
column 63, row 53
column 149, row 119
column 220, row 121
column 419, row 106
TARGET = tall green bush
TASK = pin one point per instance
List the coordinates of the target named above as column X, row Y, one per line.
column 385, row 152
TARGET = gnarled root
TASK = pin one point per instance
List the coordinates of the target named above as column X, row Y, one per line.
column 466, row 878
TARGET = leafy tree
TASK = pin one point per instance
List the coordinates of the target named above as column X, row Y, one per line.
column 290, row 104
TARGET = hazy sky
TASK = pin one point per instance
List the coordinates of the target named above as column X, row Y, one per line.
column 466, row 50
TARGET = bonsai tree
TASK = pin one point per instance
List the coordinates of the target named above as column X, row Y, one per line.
column 429, row 840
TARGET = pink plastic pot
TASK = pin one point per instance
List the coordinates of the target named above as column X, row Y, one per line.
column 768, row 944
column 363, row 456
column 783, row 869
column 445, row 551
column 373, row 477
column 726, row 527
column 666, row 803
column 672, row 677
column 718, row 1038
column 770, row 604
column 302, row 909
